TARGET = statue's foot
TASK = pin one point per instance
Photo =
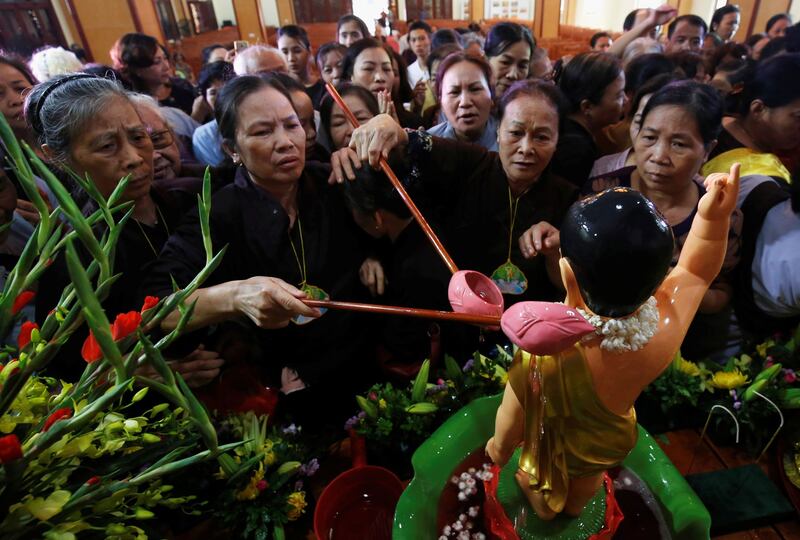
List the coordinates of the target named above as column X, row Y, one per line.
column 535, row 499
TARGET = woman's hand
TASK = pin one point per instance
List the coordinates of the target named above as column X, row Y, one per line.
column 386, row 105
column 541, row 238
column 419, row 94
column 344, row 163
column 375, row 139
column 198, row 368
column 201, row 109
column 722, row 191
column 28, row 212
column 270, row 302
column 370, row 142
column 660, row 15
column 372, row 276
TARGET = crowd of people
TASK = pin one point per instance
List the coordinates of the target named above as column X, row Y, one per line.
column 491, row 137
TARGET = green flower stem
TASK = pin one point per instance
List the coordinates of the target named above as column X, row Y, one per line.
column 175, row 389
column 26, row 178
column 73, row 213
column 180, row 396
column 103, row 491
column 173, row 301
column 157, row 472
column 95, row 316
column 88, row 186
column 156, row 359
column 199, row 414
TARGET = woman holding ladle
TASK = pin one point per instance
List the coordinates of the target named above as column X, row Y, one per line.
column 500, row 210
column 281, row 219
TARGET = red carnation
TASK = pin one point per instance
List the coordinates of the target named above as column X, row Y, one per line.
column 149, row 303
column 55, row 416
column 125, row 324
column 10, row 449
column 21, row 301
column 93, row 480
column 25, row 333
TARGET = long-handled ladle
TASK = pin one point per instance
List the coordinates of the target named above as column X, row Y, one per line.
column 481, row 320
column 469, row 291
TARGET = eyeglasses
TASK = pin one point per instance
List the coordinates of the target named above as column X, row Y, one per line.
column 161, row 139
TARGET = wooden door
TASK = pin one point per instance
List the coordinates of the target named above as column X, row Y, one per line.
column 27, row 26
column 321, row 11
column 429, row 9
column 166, row 16
column 203, row 17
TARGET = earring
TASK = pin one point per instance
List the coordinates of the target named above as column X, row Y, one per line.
column 235, row 158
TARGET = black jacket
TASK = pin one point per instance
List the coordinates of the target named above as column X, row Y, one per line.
column 255, row 228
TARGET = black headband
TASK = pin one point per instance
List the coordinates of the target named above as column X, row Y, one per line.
column 49, row 90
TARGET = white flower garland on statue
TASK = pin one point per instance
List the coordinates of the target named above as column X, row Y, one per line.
column 629, row 333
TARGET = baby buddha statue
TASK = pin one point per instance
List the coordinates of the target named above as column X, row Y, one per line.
column 569, row 398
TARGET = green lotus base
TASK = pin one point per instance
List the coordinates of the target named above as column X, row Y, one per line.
column 470, row 428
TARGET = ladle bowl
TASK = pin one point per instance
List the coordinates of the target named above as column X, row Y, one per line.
column 474, row 293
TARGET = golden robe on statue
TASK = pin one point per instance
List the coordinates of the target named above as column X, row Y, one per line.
column 568, row 431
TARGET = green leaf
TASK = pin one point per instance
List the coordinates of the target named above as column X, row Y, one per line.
column 422, row 407
column 452, row 368
column 757, row 386
column 289, row 467
column 421, row 382
column 367, row 406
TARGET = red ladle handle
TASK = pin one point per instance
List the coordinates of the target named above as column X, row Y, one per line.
column 426, row 228
column 481, row 320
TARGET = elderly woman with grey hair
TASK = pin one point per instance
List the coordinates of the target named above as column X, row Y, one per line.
column 170, row 171
column 88, row 125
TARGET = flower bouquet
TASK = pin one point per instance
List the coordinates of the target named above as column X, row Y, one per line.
column 754, row 388
column 87, row 457
column 395, row 421
column 267, row 489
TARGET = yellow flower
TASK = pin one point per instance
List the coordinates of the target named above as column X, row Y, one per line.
column 297, row 502
column 43, row 509
column 251, row 491
column 688, row 367
column 728, row 380
column 382, row 403
column 269, row 455
column 762, row 347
